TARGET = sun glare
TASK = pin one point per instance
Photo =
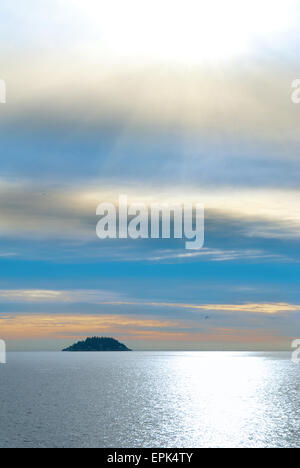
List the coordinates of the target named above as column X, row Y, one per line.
column 188, row 30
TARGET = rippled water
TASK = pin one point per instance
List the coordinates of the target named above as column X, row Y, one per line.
column 149, row 399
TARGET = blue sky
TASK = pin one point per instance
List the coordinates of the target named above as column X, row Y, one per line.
column 105, row 99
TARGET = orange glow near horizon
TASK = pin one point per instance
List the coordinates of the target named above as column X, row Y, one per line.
column 68, row 327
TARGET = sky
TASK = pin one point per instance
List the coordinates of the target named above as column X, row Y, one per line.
column 173, row 101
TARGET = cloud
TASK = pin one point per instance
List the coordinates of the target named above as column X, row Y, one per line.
column 92, row 113
column 60, row 326
column 239, row 105
column 99, row 297
column 67, row 315
column 32, row 211
column 45, row 296
column 252, row 308
column 87, row 81
column 7, row 254
column 217, row 255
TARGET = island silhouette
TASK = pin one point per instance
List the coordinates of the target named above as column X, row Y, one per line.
column 97, row 344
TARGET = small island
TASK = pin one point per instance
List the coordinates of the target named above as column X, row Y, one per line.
column 96, row 344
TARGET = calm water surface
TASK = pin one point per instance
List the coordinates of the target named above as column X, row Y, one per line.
column 149, row 399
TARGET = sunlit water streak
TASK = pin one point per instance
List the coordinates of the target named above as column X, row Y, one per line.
column 149, row 399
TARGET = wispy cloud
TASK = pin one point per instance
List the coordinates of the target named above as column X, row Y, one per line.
column 252, row 308
column 99, row 297
column 217, row 255
column 69, row 296
column 60, row 326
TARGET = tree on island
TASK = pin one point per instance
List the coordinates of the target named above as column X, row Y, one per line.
column 97, row 344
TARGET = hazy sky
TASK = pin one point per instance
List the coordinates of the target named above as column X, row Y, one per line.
column 174, row 100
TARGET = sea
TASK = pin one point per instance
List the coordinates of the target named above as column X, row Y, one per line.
column 149, row 400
